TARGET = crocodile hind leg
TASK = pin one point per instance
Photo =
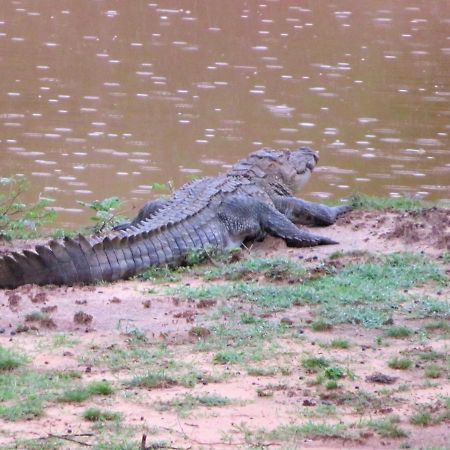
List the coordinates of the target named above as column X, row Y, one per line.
column 309, row 213
column 246, row 218
column 145, row 212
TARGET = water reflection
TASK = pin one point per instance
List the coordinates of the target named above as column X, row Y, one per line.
column 106, row 98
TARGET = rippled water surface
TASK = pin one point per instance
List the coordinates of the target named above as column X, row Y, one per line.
column 102, row 98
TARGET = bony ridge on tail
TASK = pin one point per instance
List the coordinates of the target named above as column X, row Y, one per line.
column 253, row 199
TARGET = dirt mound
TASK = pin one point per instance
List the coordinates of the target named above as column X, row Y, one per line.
column 431, row 226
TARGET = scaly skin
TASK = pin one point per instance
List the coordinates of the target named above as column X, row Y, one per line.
column 255, row 198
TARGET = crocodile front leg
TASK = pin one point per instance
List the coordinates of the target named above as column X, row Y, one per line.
column 246, row 217
column 309, row 213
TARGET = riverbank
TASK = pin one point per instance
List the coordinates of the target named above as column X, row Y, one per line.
column 326, row 347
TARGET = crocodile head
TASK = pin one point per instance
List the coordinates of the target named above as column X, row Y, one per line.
column 295, row 172
column 292, row 168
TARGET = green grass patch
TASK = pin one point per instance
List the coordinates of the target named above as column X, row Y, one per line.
column 162, row 274
column 422, row 419
column 438, row 325
column 98, row 415
column 400, row 363
column 10, row 360
column 23, row 393
column 184, row 404
column 387, row 427
column 261, row 371
column 81, row 394
column 154, row 380
column 102, row 387
column 334, row 373
column 136, row 354
column 433, row 371
column 314, row 364
column 321, row 325
column 74, row 396
column 331, row 384
column 309, row 430
column 160, row 379
column 272, row 269
column 435, row 308
column 430, row 356
column 64, row 340
column 361, row 201
column 231, row 356
column 363, row 293
column 399, row 332
column 340, row 343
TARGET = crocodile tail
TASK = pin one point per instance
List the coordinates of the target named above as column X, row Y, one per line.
column 68, row 262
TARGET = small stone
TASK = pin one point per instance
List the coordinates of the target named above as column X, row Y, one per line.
column 147, row 304
column 381, row 378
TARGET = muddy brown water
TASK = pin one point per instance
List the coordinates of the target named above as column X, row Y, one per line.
column 102, row 98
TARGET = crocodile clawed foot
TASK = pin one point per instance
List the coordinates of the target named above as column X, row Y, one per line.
column 342, row 210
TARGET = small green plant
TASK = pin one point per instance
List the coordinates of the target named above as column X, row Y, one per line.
column 262, row 371
column 10, row 360
column 333, row 373
column 228, row 357
column 100, row 388
column 309, row 430
column 331, row 384
column 74, row 396
column 398, row 332
column 18, row 219
column 422, row 419
column 98, row 415
column 105, row 213
column 160, row 275
column 340, row 343
column 400, row 363
column 321, row 325
column 163, row 187
column 439, row 325
column 314, row 364
column 388, row 427
column 430, row 355
column 154, row 380
column 433, row 371
column 80, row 395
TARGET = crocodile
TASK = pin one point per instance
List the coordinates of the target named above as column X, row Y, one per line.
column 253, row 199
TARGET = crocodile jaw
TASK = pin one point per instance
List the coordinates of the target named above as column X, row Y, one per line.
column 301, row 163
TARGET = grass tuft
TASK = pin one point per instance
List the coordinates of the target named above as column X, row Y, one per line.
column 387, row 427
column 398, row 332
column 422, row 419
column 154, row 380
column 314, row 364
column 340, row 343
column 10, row 360
column 321, row 325
column 400, row 363
column 361, row 201
column 433, row 371
column 98, row 415
column 100, row 388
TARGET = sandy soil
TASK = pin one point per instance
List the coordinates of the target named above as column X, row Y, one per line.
column 99, row 319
